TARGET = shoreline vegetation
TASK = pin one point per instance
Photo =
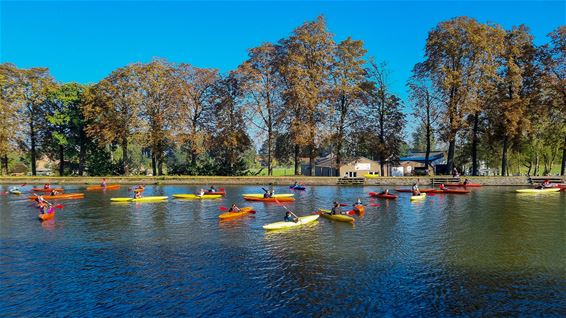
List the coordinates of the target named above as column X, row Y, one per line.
column 253, row 180
column 491, row 97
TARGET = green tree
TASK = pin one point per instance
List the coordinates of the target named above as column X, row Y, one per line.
column 9, row 105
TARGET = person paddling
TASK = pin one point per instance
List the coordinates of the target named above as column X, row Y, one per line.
column 355, row 205
column 201, row 193
column 289, row 217
column 234, row 208
column 54, row 192
column 442, row 187
column 544, row 185
column 336, row 208
column 415, row 189
column 386, row 191
column 137, row 195
column 47, row 186
column 212, row 189
column 103, row 183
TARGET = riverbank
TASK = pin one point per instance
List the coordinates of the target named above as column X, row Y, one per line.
column 253, row 180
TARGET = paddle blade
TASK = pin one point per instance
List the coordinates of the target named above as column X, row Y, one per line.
column 375, row 204
column 58, row 206
column 343, row 204
column 223, row 208
column 221, row 189
column 251, row 211
column 431, row 194
column 351, row 212
column 23, row 185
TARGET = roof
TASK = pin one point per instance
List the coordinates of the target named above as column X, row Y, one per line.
column 329, row 161
column 420, row 156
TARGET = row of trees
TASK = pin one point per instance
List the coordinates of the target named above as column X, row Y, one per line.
column 481, row 90
column 495, row 92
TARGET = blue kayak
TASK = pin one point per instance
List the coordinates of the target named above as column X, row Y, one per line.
column 297, row 187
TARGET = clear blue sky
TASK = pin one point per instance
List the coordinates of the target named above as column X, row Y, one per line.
column 84, row 41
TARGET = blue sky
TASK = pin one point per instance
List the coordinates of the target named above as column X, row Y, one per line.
column 84, row 41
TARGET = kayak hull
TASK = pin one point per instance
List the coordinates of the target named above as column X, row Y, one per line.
column 299, row 188
column 409, row 190
column 221, row 193
column 191, row 196
column 418, row 197
column 231, row 215
column 144, row 199
column 260, row 195
column 281, row 199
column 60, row 196
column 337, row 217
column 535, row 191
column 100, row 188
column 46, row 216
column 461, row 185
column 452, row 191
column 382, row 195
column 284, row 225
column 15, row 192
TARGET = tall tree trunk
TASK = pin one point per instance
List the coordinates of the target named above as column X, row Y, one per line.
column 153, row 164
column 297, row 162
column 504, row 156
column 61, row 160
column 32, row 138
column 82, row 153
column 269, row 148
column 125, row 156
column 451, row 150
column 312, row 168
column 4, row 164
column 563, row 166
column 160, row 166
column 428, row 142
column 340, row 136
column 475, row 137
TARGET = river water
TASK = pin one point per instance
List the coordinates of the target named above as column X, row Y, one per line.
column 488, row 253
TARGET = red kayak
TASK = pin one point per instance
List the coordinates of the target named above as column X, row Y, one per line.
column 461, row 185
column 453, row 191
column 382, row 195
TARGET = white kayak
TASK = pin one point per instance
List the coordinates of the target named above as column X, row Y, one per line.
column 283, row 225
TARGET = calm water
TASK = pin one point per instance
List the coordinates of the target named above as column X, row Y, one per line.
column 488, row 253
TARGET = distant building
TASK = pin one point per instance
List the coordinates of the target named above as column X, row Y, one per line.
column 351, row 168
column 414, row 163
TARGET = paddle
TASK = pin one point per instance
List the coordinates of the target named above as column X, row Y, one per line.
column 293, row 214
column 343, row 204
column 375, row 204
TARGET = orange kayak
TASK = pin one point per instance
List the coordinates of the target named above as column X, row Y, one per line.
column 281, row 199
column 60, row 196
column 47, row 190
column 47, row 216
column 243, row 211
column 108, row 187
column 360, row 208
column 461, row 185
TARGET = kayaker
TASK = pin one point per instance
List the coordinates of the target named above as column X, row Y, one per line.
column 234, row 208
column 268, row 194
column 336, row 208
column 442, row 187
column 211, row 189
column 545, row 184
column 296, row 184
column 355, row 205
column 47, row 186
column 103, row 183
column 137, row 195
column 466, row 181
column 201, row 193
column 358, row 201
column 415, row 189
column 386, row 191
column 44, row 207
column 289, row 217
column 54, row 192
column 39, row 199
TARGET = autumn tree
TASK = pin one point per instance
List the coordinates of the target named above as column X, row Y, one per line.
column 554, row 59
column 9, row 105
column 197, row 95
column 454, row 50
column 261, row 86
column 516, row 91
column 306, row 69
column 231, row 140
column 159, row 89
column 348, row 76
column 112, row 110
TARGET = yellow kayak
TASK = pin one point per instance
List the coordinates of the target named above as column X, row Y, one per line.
column 260, row 195
column 283, row 225
column 143, row 199
column 418, row 197
column 243, row 211
column 196, row 197
column 336, row 217
column 547, row 190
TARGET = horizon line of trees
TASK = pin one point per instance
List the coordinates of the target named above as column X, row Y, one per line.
column 489, row 94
